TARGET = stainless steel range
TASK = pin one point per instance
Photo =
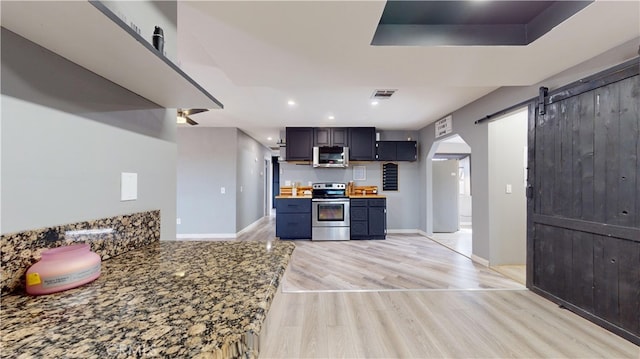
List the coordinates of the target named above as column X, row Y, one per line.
column 330, row 212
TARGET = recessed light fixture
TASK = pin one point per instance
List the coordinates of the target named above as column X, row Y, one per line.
column 269, row 138
column 374, row 103
column 332, row 117
column 291, row 103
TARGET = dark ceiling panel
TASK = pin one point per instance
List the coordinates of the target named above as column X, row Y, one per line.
column 470, row 23
column 461, row 12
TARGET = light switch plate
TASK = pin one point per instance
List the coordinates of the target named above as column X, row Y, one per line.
column 128, row 186
column 508, row 189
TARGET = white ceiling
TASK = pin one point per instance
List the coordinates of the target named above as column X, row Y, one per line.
column 254, row 56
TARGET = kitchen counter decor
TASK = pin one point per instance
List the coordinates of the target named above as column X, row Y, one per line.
column 177, row 299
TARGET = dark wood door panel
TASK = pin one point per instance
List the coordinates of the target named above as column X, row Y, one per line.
column 583, row 241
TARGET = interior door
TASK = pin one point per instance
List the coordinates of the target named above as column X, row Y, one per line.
column 583, row 241
column 445, row 196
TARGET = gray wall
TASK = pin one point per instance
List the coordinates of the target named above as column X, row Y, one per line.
column 251, row 180
column 206, row 163
column 477, row 138
column 67, row 134
column 508, row 212
column 212, row 158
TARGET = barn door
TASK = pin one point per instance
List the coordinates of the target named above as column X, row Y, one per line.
column 583, row 240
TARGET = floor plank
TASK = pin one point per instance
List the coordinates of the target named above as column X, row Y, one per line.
column 409, row 297
column 438, row 324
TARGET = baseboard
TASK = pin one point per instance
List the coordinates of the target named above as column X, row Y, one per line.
column 206, row 236
column 424, row 233
column 250, row 227
column 480, row 260
column 402, row 231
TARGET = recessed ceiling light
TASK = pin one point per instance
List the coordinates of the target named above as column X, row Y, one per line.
column 291, row 103
column 374, row 103
column 269, row 138
column 332, row 117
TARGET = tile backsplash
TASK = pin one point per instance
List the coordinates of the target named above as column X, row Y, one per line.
column 108, row 237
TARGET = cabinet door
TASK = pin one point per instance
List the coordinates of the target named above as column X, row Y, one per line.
column 359, row 229
column 386, row 151
column 359, row 214
column 377, row 222
column 406, row 151
column 293, row 205
column 293, row 225
column 299, row 143
column 362, row 144
column 322, row 136
column 339, row 137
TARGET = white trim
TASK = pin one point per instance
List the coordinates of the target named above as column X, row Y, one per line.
column 425, row 234
column 206, row 236
column 402, row 231
column 249, row 227
column 479, row 260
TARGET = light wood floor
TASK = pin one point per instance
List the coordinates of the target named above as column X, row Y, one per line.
column 402, row 261
column 432, row 324
column 409, row 297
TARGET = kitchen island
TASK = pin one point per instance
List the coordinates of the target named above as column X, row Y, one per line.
column 178, row 299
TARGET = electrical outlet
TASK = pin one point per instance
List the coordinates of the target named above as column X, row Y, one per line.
column 178, row 221
column 508, row 189
column 223, row 190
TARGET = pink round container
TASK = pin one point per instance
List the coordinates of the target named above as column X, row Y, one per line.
column 63, row 268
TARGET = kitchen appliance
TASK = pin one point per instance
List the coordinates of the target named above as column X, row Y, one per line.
column 331, row 156
column 330, row 212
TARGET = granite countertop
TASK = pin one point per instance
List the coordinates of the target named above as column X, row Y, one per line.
column 169, row 299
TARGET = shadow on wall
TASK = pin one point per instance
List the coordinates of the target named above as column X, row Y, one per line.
column 66, row 87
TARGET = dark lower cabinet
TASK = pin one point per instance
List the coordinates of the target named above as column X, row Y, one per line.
column 293, row 218
column 368, row 218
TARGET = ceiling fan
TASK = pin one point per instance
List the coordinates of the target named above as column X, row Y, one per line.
column 184, row 113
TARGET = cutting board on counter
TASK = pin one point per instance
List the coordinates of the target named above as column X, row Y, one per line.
column 288, row 190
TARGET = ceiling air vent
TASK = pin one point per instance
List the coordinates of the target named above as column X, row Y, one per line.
column 383, row 94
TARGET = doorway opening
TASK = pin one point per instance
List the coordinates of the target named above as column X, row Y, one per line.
column 451, row 200
column 507, row 172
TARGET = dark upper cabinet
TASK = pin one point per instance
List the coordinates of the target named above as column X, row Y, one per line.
column 299, row 143
column 331, row 136
column 396, row 150
column 406, row 151
column 362, row 144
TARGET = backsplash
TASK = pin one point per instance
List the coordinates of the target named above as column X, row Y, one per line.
column 108, row 237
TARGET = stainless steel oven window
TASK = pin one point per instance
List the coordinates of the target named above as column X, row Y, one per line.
column 330, row 212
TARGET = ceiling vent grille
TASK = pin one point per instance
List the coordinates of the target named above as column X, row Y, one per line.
column 382, row 94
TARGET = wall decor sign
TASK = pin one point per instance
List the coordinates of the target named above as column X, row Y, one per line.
column 444, row 126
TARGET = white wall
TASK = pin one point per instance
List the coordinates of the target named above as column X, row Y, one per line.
column 508, row 211
column 67, row 134
column 148, row 14
column 477, row 136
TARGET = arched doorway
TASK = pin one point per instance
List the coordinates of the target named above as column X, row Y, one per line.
column 451, row 215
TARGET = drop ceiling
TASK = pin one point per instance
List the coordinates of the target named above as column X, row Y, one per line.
column 255, row 56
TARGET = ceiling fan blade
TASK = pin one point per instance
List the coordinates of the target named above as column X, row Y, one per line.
column 191, row 122
column 193, row 111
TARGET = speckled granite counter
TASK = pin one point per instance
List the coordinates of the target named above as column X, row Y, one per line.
column 169, row 299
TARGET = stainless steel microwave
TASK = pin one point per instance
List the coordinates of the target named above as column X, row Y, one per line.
column 331, row 156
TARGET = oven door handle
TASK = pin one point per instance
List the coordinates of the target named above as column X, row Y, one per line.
column 340, row 200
